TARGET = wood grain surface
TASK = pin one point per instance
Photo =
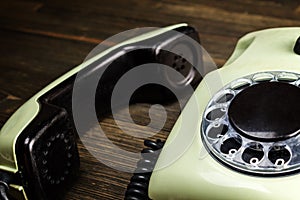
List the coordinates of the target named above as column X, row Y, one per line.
column 42, row 39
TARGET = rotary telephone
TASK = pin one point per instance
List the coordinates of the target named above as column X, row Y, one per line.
column 236, row 138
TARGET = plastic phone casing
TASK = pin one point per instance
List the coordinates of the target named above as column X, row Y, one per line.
column 195, row 174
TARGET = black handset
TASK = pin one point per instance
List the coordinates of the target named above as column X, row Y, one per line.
column 41, row 157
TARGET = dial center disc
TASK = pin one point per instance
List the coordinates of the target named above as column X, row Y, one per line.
column 268, row 111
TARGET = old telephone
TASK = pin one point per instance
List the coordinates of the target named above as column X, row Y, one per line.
column 244, row 141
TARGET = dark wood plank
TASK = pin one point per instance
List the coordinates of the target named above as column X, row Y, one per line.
column 30, row 62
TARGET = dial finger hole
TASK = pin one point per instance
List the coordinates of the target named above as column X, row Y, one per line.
column 241, row 84
column 279, row 155
column 253, row 154
column 286, row 77
column 215, row 114
column 218, row 131
column 225, row 98
column 263, row 77
column 231, row 145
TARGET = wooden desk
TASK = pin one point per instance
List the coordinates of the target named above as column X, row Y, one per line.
column 40, row 40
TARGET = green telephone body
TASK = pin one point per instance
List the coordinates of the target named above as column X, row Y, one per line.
column 198, row 173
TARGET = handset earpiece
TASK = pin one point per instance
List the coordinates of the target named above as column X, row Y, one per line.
column 167, row 49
